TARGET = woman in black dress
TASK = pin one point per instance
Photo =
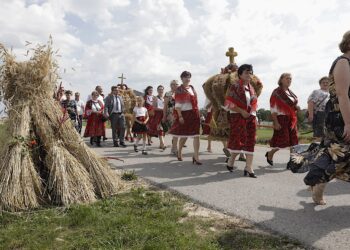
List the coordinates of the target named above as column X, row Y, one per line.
column 332, row 159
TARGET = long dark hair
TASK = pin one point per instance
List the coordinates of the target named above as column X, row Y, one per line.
column 146, row 90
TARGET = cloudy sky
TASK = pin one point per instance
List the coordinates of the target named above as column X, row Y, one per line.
column 153, row 41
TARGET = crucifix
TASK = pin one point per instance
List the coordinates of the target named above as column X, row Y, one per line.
column 122, row 78
column 231, row 54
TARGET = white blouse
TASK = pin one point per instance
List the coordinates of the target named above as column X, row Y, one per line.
column 140, row 111
column 186, row 105
column 160, row 103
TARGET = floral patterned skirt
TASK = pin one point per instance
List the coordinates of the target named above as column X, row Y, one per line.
column 329, row 160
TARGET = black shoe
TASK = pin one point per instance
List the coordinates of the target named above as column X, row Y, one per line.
column 144, row 152
column 116, row 145
column 105, row 138
column 92, row 140
column 226, row 152
column 227, row 159
column 251, row 175
column 135, row 148
column 230, row 168
column 267, row 159
column 123, row 145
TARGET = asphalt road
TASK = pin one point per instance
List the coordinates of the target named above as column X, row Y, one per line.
column 277, row 200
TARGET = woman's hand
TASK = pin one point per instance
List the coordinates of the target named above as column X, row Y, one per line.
column 276, row 126
column 181, row 120
column 245, row 114
column 347, row 133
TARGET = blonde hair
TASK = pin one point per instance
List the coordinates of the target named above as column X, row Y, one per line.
column 174, row 82
column 139, row 98
column 283, row 76
column 344, row 45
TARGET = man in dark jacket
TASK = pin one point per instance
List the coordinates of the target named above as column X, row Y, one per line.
column 114, row 110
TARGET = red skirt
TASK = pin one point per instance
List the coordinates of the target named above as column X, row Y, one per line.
column 206, row 127
column 286, row 136
column 94, row 126
column 190, row 127
column 154, row 124
column 243, row 134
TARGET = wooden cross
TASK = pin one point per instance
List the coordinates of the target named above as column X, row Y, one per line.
column 231, row 54
column 122, row 78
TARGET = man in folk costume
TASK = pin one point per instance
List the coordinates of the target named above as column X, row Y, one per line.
column 187, row 121
column 241, row 101
column 284, row 109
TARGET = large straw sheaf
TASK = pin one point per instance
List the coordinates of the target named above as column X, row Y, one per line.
column 20, row 184
column 58, row 168
column 215, row 89
column 105, row 181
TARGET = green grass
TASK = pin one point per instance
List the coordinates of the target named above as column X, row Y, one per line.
column 129, row 176
column 139, row 219
column 265, row 134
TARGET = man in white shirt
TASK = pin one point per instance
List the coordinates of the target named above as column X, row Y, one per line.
column 114, row 110
column 80, row 108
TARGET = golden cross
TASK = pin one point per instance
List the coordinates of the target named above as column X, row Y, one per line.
column 122, row 78
column 231, row 54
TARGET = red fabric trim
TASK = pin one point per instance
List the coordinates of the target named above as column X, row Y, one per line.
column 237, row 98
column 280, row 100
column 183, row 96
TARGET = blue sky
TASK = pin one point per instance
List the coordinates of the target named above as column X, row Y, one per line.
column 153, row 41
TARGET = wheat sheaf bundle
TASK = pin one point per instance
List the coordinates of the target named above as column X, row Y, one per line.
column 215, row 89
column 45, row 159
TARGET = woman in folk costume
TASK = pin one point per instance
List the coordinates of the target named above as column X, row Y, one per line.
column 140, row 124
column 241, row 101
column 155, row 128
column 332, row 158
column 168, row 112
column 187, row 121
column 149, row 98
column 95, row 128
column 283, row 103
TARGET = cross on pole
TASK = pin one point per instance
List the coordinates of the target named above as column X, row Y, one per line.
column 231, row 54
column 122, row 78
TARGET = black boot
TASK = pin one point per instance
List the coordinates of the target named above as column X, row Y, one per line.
column 92, row 140
column 98, row 141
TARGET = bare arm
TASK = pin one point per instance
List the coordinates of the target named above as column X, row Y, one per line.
column 276, row 124
column 342, row 82
column 310, row 109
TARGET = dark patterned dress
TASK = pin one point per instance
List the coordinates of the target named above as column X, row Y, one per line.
column 332, row 158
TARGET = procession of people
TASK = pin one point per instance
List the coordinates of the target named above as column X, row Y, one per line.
column 176, row 113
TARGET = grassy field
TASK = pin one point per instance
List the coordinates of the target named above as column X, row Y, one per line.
column 138, row 218
column 264, row 135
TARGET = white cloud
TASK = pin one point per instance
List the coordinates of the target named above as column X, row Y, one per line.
column 152, row 41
